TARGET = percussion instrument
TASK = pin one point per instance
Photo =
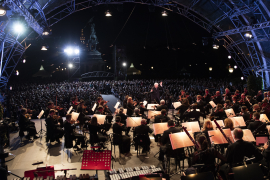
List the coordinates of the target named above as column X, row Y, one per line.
column 61, row 177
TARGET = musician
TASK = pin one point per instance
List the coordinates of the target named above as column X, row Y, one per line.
column 183, row 108
column 245, row 113
column 227, row 104
column 71, row 135
column 165, row 140
column 189, row 98
column 207, row 126
column 53, row 132
column 125, row 140
column 26, row 125
column 251, row 101
column 219, row 112
column 206, row 155
column 96, row 135
column 193, row 113
column 162, row 106
column 245, row 91
column 265, row 107
column 50, row 106
column 182, row 95
column 142, row 108
column 235, row 105
column 256, row 123
column 130, row 107
column 243, row 101
column 75, row 102
column 162, row 117
column 125, row 101
column 228, row 123
column 237, row 94
column 143, row 129
column 217, row 98
column 81, row 108
column 200, row 103
column 227, row 95
column 155, row 92
column 240, row 149
column 207, row 96
column 123, row 118
column 259, row 96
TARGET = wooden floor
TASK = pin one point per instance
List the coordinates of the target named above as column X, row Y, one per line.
column 29, row 152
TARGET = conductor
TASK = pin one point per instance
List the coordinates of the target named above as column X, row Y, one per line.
column 155, row 95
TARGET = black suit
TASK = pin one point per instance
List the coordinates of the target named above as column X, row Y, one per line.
column 256, row 124
column 82, row 114
column 124, row 141
column 52, row 131
column 194, row 114
column 124, row 121
column 159, row 108
column 26, row 125
column 200, row 105
column 218, row 100
column 142, row 110
column 155, row 94
column 165, row 140
column 161, row 118
column 70, row 135
column 240, row 149
column 246, row 116
column 130, row 109
column 142, row 130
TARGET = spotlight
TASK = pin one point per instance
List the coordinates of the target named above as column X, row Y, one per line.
column 46, row 32
column 215, row 46
column 69, row 51
column 235, row 67
column 18, row 27
column 124, row 64
column 24, row 61
column 10, row 88
column 231, row 70
column 108, row 13
column 248, row 35
column 17, row 72
column 242, row 78
column 44, row 48
column 152, row 67
column 210, row 68
column 229, row 57
column 76, row 51
column 164, row 13
column 2, row 11
column 70, row 65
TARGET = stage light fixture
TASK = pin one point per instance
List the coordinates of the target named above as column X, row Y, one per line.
column 17, row 72
column 229, row 57
column 152, row 67
column 18, row 27
column 164, row 13
column 3, row 11
column 108, row 13
column 10, row 88
column 215, row 46
column 124, row 64
column 76, row 51
column 248, row 35
column 46, row 32
column 235, row 67
column 44, row 48
column 70, row 65
column 24, row 61
column 210, row 68
column 242, row 78
column 69, row 51
column 231, row 70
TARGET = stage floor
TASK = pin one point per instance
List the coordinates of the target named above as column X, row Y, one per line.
column 29, row 152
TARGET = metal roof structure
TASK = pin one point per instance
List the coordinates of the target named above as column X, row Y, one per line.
column 227, row 20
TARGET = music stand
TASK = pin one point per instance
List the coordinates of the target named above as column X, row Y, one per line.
column 41, row 130
column 230, row 113
column 100, row 118
column 199, row 176
column 220, row 122
column 159, row 128
column 133, row 121
column 264, row 118
column 192, row 126
column 250, row 172
column 238, row 121
column 151, row 106
column 217, row 137
column 152, row 114
column 260, row 140
column 212, row 104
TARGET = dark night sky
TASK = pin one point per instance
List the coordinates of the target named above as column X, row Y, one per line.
column 174, row 30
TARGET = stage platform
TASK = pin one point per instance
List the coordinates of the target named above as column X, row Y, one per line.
column 29, row 152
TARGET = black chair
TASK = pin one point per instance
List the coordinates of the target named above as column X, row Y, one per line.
column 141, row 140
column 116, row 140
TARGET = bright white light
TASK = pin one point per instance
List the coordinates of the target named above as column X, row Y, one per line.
column 10, row 88
column 210, row 68
column 235, row 67
column 17, row 72
column 152, row 67
column 108, row 13
column 24, row 61
column 215, row 46
column 248, row 35
column 76, row 51
column 231, row 70
column 18, row 28
column 69, row 51
column 70, row 65
column 229, row 57
column 44, row 48
column 46, row 33
column 242, row 78
column 124, row 64
column 164, row 13
column 2, row 12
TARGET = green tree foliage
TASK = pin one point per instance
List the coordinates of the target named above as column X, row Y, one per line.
column 254, row 84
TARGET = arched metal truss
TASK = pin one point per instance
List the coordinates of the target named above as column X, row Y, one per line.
column 247, row 53
column 95, row 74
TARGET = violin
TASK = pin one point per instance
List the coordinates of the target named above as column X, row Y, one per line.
column 72, row 121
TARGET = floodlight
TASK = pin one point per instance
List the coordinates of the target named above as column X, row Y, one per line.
column 44, row 48
column 210, row 68
column 229, row 57
column 3, row 11
column 70, row 65
column 18, row 27
column 231, row 70
column 124, row 64
column 76, row 51
column 24, row 61
column 235, row 67
column 108, row 13
column 164, row 13
column 248, row 35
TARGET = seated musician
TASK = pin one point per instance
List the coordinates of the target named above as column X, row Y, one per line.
column 137, row 114
column 123, row 119
column 228, row 123
column 200, row 103
column 125, row 140
column 227, row 104
column 26, row 125
column 165, row 140
column 240, row 149
column 193, row 113
column 50, row 106
column 189, row 98
column 245, row 113
column 182, row 109
column 219, row 112
column 75, row 102
column 130, row 106
column 100, row 110
column 161, row 106
column 256, row 123
column 235, row 105
column 143, row 129
column 95, row 132
column 53, row 132
column 207, row 126
column 81, row 108
column 142, row 108
column 206, row 155
column 217, row 98
column 71, row 135
column 162, row 117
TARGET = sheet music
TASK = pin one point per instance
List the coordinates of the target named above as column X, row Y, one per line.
column 152, row 114
column 40, row 114
column 74, row 116
column 116, row 105
column 94, row 107
column 220, row 122
column 151, row 106
column 71, row 107
column 124, row 111
column 144, row 103
column 264, row 118
column 159, row 128
column 181, row 140
column 230, row 113
column 212, row 104
column 133, row 121
column 238, row 121
column 176, row 104
column 192, row 126
column 100, row 118
column 217, row 137
column 247, row 135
